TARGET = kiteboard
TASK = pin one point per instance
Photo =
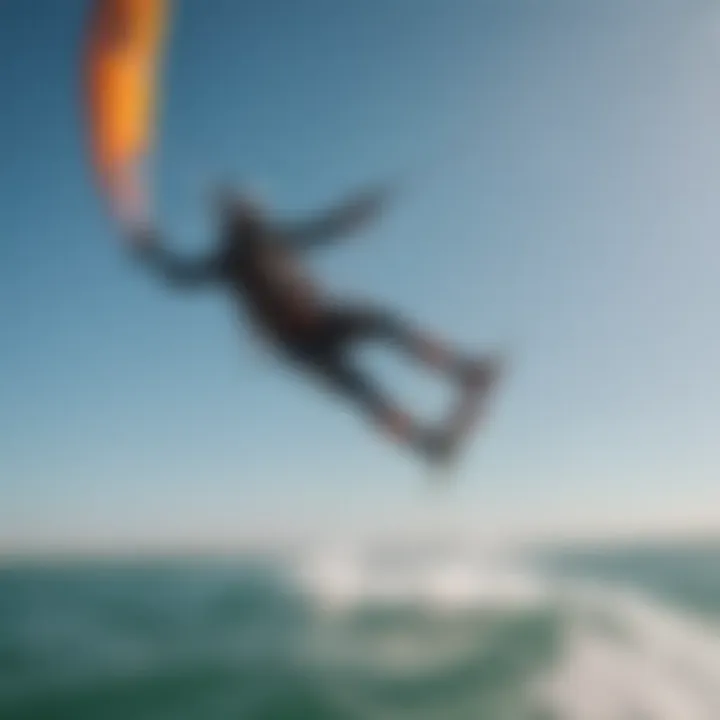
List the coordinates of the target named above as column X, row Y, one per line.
column 470, row 412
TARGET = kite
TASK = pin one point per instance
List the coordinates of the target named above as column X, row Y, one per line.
column 125, row 43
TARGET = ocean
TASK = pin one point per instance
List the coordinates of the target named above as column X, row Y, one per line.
column 610, row 633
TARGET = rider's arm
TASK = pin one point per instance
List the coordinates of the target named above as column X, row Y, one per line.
column 345, row 218
column 177, row 270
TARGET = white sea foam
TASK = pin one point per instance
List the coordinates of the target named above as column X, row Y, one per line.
column 345, row 580
column 624, row 656
column 656, row 663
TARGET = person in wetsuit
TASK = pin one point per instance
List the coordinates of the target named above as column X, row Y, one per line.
column 259, row 261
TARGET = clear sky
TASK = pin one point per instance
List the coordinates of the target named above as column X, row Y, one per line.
column 566, row 204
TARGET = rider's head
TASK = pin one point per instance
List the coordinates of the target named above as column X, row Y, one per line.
column 235, row 209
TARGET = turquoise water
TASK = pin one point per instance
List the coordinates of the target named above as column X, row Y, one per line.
column 257, row 639
column 685, row 575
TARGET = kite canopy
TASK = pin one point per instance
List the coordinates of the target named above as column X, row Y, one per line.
column 124, row 47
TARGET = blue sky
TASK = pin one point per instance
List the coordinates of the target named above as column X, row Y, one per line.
column 565, row 203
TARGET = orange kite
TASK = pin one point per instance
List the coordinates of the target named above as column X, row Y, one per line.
column 121, row 67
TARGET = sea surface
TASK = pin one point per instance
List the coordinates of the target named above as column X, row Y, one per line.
column 613, row 633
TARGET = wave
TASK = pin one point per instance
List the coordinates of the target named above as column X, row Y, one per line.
column 362, row 635
column 620, row 653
